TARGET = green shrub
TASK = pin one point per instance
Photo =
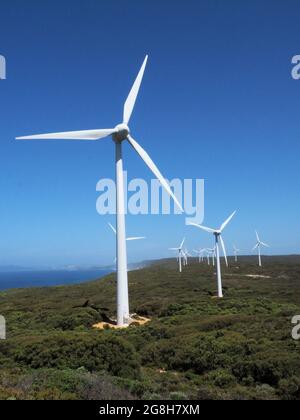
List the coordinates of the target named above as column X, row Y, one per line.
column 95, row 353
column 289, row 389
column 222, row 378
column 177, row 396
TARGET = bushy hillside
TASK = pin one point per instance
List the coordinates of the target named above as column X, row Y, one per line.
column 195, row 346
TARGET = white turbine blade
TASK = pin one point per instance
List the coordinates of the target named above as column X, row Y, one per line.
column 112, row 228
column 207, row 229
column 224, row 250
column 227, row 221
column 135, row 238
column 151, row 165
column 72, row 135
column 256, row 246
column 264, row 244
column 257, row 237
column 174, row 249
column 181, row 245
column 130, row 101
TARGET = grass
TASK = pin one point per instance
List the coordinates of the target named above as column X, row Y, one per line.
column 195, row 347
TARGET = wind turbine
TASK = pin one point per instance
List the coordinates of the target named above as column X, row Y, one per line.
column 218, row 238
column 180, row 254
column 133, row 238
column 119, row 134
column 199, row 253
column 258, row 246
column 236, row 252
column 207, row 256
column 212, row 252
column 127, row 239
column 186, row 254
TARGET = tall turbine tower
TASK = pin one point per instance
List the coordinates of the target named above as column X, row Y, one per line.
column 258, row 246
column 180, row 254
column 218, row 238
column 119, row 134
column 236, row 253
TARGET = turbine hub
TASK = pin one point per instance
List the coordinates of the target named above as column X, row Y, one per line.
column 122, row 131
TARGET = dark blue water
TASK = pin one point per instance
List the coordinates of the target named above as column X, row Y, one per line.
column 23, row 279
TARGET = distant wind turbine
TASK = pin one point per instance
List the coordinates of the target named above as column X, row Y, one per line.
column 186, row 254
column 180, row 254
column 127, row 239
column 212, row 252
column 258, row 246
column 119, row 134
column 133, row 238
column 207, row 255
column 199, row 252
column 236, row 252
column 218, row 237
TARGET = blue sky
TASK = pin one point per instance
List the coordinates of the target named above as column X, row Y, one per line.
column 217, row 102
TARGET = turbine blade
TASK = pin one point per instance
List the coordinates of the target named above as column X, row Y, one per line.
column 264, row 244
column 256, row 246
column 174, row 249
column 151, row 165
column 112, row 228
column 181, row 245
column 130, row 101
column 72, row 135
column 207, row 229
column 224, row 249
column 257, row 237
column 137, row 238
column 227, row 221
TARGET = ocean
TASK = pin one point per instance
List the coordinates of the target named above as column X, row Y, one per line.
column 25, row 279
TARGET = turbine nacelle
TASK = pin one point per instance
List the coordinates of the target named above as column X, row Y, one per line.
column 121, row 133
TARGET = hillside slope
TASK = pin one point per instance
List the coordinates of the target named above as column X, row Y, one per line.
column 195, row 346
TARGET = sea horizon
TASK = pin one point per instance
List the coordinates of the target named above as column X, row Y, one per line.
column 30, row 278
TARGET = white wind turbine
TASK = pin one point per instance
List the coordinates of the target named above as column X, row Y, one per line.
column 207, row 256
column 134, row 238
column 212, row 252
column 119, row 134
column 218, row 237
column 186, row 254
column 199, row 252
column 236, row 252
column 258, row 246
column 180, row 254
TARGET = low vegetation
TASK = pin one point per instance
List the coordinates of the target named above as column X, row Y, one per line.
column 195, row 347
